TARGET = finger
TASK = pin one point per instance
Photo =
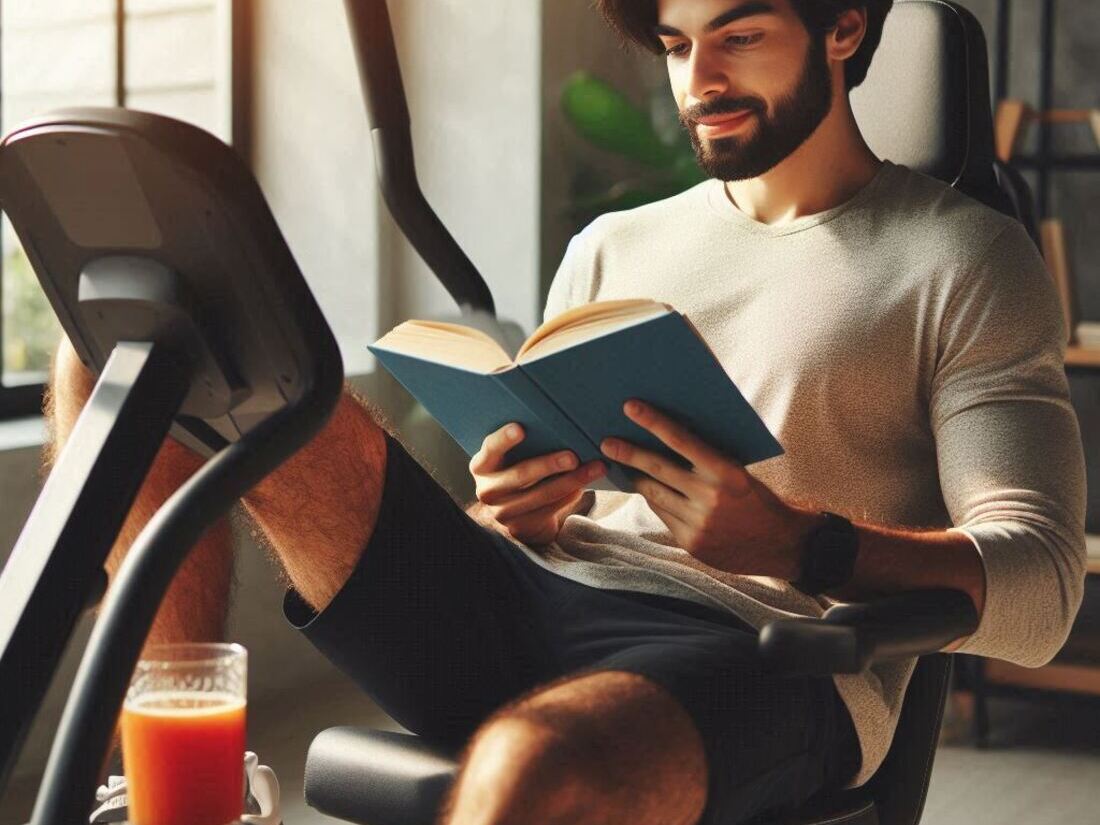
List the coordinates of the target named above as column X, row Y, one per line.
column 661, row 496
column 651, row 464
column 493, row 488
column 548, row 491
column 676, row 437
column 541, row 526
column 493, row 448
column 680, row 529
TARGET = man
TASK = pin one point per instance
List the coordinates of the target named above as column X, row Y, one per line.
column 903, row 343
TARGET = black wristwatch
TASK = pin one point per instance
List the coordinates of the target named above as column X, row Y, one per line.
column 828, row 556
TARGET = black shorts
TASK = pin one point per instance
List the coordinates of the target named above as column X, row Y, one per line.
column 444, row 621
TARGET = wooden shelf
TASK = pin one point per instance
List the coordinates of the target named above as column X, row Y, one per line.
column 1078, row 356
column 1071, row 678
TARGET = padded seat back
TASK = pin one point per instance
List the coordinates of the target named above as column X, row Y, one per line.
column 925, row 101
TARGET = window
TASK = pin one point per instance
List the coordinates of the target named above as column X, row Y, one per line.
column 173, row 57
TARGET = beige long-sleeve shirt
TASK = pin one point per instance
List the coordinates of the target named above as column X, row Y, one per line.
column 906, row 348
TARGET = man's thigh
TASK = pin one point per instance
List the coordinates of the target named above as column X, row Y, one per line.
column 440, row 620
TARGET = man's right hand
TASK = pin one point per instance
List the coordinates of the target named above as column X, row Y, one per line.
column 530, row 499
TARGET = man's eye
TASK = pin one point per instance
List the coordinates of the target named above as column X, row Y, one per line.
column 672, row 51
column 741, row 40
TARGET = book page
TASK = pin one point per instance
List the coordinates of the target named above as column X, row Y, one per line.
column 444, row 343
column 586, row 322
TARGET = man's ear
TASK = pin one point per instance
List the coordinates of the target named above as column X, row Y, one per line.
column 842, row 41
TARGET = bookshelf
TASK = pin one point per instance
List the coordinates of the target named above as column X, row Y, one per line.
column 1076, row 669
column 1078, row 356
column 1043, row 161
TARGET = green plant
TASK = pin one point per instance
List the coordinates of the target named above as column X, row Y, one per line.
column 31, row 330
column 662, row 160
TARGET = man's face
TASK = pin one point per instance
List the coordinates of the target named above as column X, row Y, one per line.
column 750, row 82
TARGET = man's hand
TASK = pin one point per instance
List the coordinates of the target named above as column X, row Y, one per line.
column 530, row 500
column 716, row 510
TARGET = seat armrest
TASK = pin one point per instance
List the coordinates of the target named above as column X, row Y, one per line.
column 849, row 637
column 377, row 777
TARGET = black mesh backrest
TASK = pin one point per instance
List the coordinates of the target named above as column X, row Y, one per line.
column 925, row 102
column 900, row 785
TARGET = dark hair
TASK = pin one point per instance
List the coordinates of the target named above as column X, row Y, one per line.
column 635, row 21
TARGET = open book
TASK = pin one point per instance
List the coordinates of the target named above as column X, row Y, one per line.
column 567, row 383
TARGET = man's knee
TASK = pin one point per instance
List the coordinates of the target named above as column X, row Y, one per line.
column 515, row 766
column 608, row 746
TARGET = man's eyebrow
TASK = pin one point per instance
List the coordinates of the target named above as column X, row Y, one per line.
column 744, row 10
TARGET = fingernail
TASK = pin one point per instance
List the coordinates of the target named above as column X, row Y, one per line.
column 633, row 407
column 565, row 461
column 608, row 446
column 512, row 432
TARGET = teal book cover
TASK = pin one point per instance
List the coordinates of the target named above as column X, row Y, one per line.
column 571, row 396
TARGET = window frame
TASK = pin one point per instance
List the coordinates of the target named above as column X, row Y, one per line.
column 21, row 400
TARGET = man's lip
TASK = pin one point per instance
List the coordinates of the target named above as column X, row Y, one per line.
column 725, row 117
column 716, row 126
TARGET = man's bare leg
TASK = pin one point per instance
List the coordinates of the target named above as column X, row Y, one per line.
column 316, row 511
column 196, row 604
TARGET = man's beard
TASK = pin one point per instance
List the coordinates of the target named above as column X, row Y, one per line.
column 777, row 135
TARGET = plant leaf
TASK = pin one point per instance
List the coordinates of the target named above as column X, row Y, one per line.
column 605, row 118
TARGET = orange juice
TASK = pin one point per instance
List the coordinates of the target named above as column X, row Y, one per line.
column 183, row 754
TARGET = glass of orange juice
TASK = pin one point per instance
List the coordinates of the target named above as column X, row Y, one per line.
column 183, row 732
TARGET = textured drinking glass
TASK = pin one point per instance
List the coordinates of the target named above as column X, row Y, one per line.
column 183, row 729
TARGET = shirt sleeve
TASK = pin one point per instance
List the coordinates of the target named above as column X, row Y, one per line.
column 1009, row 450
column 575, row 280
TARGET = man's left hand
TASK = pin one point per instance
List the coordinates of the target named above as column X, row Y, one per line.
column 716, row 510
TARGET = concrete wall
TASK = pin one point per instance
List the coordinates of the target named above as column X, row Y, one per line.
column 474, row 104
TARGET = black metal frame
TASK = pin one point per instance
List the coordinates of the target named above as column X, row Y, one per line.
column 1043, row 162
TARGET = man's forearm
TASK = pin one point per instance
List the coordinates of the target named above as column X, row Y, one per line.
column 890, row 561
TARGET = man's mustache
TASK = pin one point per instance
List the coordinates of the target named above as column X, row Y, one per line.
column 725, row 106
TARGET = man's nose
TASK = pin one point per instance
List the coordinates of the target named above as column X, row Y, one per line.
column 706, row 77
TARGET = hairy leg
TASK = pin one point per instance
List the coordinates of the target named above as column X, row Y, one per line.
column 316, row 511
column 196, row 604
column 607, row 747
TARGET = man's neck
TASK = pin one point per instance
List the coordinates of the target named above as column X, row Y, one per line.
column 830, row 167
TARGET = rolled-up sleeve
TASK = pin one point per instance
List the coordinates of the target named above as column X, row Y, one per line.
column 1009, row 450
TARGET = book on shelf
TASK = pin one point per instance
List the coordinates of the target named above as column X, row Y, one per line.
column 568, row 382
column 1088, row 334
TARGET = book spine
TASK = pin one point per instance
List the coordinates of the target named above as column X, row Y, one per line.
column 525, row 390
column 556, row 424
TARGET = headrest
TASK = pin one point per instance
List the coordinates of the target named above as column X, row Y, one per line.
column 925, row 101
